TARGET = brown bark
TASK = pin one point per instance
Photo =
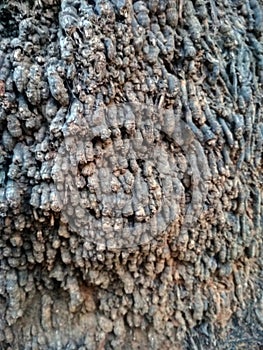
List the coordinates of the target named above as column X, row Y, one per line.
column 131, row 174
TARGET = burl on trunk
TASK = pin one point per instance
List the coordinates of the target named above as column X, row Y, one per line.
column 131, row 174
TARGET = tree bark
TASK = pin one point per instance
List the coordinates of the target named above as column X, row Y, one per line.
column 131, row 174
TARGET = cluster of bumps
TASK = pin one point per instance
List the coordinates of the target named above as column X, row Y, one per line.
column 130, row 171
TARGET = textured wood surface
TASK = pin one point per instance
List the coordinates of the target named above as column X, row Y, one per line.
column 131, row 174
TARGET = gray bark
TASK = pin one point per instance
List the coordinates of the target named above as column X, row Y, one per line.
column 131, row 174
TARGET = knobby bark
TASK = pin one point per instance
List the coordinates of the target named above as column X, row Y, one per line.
column 131, row 174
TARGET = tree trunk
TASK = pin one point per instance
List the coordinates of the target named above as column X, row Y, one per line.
column 131, row 174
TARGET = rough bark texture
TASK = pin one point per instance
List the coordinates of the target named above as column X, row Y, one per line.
column 131, row 174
